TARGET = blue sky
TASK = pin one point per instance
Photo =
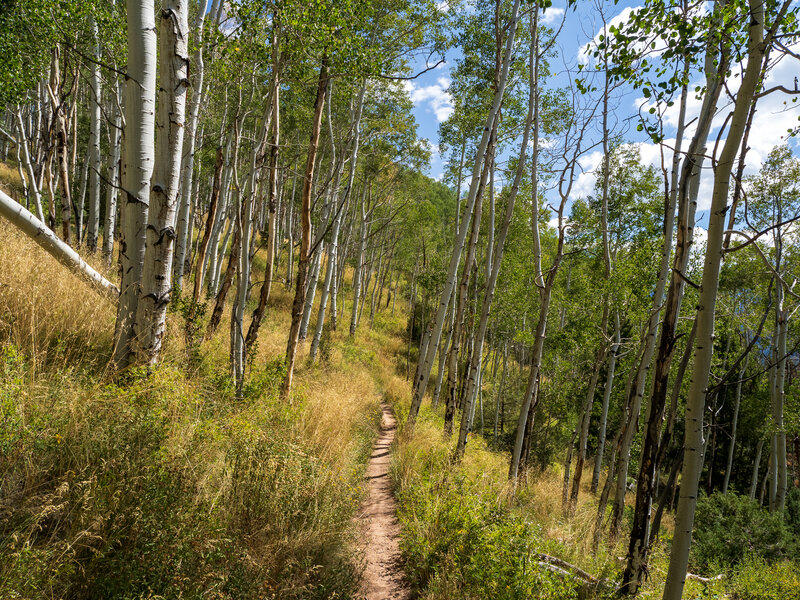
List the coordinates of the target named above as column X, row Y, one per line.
column 432, row 103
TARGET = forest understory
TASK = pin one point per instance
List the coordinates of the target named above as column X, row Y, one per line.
column 431, row 299
column 165, row 485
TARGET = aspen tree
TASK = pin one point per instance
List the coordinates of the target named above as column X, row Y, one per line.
column 94, row 147
column 140, row 102
column 305, row 227
column 704, row 346
column 420, row 385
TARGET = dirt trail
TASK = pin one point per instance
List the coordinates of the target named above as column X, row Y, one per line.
column 383, row 577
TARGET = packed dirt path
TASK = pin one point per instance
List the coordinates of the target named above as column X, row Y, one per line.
column 383, row 576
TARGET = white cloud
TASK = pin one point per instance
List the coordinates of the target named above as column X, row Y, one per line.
column 551, row 15
column 436, row 97
column 585, row 181
column 775, row 114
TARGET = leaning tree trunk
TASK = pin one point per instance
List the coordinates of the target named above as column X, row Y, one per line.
column 305, row 222
column 704, row 345
column 40, row 233
column 421, row 384
column 140, row 105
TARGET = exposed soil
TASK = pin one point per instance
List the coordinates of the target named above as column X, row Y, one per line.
column 384, row 578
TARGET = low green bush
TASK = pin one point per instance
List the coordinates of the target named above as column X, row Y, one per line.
column 459, row 543
column 756, row 579
column 729, row 527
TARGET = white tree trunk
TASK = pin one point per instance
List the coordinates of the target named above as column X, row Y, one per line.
column 704, row 344
column 113, row 182
column 421, row 384
column 156, row 285
column 140, row 103
column 40, row 233
column 94, row 148
column 187, row 164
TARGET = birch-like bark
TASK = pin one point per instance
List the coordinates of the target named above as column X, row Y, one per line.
column 756, row 464
column 187, row 164
column 80, row 201
column 305, row 222
column 40, row 233
column 420, row 385
column 225, row 286
column 586, row 414
column 463, row 288
column 497, row 256
column 358, row 272
column 609, row 385
column 200, row 262
column 62, row 149
column 685, row 191
column 140, row 104
column 24, row 147
column 736, row 403
column 498, row 400
column 333, row 247
column 272, row 199
column 704, row 345
column 156, row 285
column 778, row 379
column 638, row 547
column 93, row 230
column 112, row 189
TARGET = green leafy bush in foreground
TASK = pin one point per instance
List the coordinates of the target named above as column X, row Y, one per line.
column 729, row 527
column 459, row 543
column 755, row 579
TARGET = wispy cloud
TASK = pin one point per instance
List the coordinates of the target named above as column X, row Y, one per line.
column 435, row 97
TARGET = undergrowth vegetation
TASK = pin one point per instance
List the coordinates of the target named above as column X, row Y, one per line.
column 164, row 484
column 466, row 535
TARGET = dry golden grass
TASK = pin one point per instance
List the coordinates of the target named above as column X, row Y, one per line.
column 10, row 180
column 284, row 479
column 47, row 312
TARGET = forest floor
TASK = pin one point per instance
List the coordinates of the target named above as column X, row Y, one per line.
column 384, row 576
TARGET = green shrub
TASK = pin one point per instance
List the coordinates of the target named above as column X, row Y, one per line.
column 729, row 527
column 459, row 543
column 755, row 579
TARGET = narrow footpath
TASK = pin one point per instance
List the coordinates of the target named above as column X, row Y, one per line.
column 384, row 578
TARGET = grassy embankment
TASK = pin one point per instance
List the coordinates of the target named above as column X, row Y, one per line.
column 165, row 485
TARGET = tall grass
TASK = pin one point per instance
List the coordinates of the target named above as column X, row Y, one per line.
column 163, row 484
